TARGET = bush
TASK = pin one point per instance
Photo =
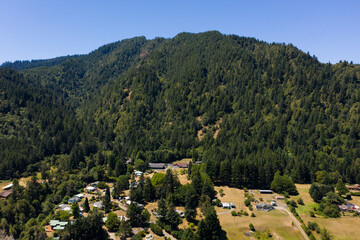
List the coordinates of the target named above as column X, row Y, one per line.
column 252, row 228
column 300, row 201
column 156, row 229
column 233, row 213
column 247, row 202
column 253, row 215
column 312, row 214
column 136, row 237
column 251, row 207
column 245, row 213
column 293, row 203
column 102, row 185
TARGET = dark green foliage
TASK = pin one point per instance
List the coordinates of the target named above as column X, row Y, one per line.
column 318, row 191
column 112, row 222
column 107, row 200
column 300, row 201
column 156, row 229
column 282, row 184
column 251, row 226
column 133, row 212
column 75, row 210
column 341, row 188
column 86, row 228
column 86, row 206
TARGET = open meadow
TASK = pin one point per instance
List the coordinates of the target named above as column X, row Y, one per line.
column 279, row 223
column 345, row 227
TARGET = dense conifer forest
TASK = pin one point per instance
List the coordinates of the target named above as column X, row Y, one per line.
column 244, row 107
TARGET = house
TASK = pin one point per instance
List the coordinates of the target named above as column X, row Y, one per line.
column 344, row 208
column 5, row 194
column 226, row 205
column 57, row 225
column 74, row 199
column 182, row 164
column 353, row 187
column 7, row 187
column 90, row 188
column 138, row 173
column 232, row 205
column 94, row 184
column 264, row 207
column 64, row 207
column 280, row 197
column 127, row 198
column 98, row 205
column 80, row 195
column 157, row 165
column 265, row 191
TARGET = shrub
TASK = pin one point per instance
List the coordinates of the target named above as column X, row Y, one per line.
column 253, row 215
column 245, row 213
column 293, row 203
column 247, row 202
column 312, row 214
column 251, row 207
column 233, row 213
column 300, row 201
column 252, row 228
column 136, row 237
column 102, row 185
column 156, row 229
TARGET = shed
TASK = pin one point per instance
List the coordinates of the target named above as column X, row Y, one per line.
column 182, row 164
column 91, row 188
column 5, row 194
column 280, row 197
column 226, row 205
column 7, row 187
column 157, row 165
column 232, row 205
column 98, row 205
column 138, row 173
column 265, row 191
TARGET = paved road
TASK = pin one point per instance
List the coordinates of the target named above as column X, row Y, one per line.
column 297, row 223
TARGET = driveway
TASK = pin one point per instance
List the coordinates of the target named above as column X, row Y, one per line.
column 297, row 223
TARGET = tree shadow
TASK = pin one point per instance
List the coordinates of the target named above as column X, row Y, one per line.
column 222, row 235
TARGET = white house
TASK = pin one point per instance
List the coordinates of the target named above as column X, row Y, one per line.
column 226, row 205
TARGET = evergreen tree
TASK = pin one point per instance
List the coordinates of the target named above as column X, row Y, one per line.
column 86, row 205
column 107, row 200
column 75, row 210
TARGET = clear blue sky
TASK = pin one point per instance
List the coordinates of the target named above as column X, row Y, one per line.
column 38, row 29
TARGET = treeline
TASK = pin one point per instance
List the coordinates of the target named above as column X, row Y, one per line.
column 244, row 107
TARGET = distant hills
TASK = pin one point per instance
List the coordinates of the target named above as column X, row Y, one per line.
column 244, row 107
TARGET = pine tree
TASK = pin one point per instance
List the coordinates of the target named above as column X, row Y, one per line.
column 86, row 205
column 107, row 200
column 75, row 210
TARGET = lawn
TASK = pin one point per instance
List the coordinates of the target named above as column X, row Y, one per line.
column 342, row 228
column 280, row 224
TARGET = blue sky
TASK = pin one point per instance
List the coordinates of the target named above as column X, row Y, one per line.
column 39, row 29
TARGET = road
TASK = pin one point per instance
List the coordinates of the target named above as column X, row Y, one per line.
column 297, row 223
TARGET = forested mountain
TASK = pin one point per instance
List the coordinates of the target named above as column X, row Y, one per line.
column 245, row 107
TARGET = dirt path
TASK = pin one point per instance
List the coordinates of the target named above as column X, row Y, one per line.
column 295, row 221
column 225, row 212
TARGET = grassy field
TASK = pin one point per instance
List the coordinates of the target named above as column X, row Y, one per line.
column 342, row 228
column 280, row 224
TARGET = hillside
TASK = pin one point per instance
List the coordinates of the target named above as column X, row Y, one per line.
column 271, row 106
